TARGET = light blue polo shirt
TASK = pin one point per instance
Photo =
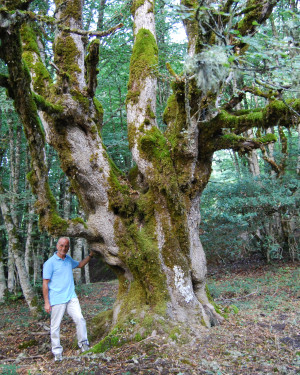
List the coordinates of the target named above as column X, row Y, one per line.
column 59, row 272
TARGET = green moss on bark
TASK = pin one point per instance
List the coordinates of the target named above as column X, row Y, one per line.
column 31, row 56
column 45, row 105
column 268, row 138
column 139, row 250
column 29, row 39
column 144, row 61
column 66, row 54
column 99, row 113
column 135, row 5
column 120, row 199
column 70, row 9
column 81, row 99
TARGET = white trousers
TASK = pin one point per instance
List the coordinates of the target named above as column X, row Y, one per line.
column 57, row 313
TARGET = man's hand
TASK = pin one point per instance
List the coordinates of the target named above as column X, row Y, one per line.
column 46, row 295
column 86, row 260
column 47, row 308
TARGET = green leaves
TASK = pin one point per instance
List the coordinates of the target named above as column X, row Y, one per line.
column 238, row 209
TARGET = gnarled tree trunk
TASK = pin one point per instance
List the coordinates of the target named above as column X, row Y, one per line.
column 145, row 227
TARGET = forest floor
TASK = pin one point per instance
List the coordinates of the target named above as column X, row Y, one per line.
column 262, row 337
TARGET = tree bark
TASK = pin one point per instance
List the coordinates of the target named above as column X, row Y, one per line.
column 253, row 160
column 37, row 263
column 298, row 161
column 19, row 259
column 3, row 285
column 10, row 270
column 77, row 255
column 29, row 238
column 87, row 268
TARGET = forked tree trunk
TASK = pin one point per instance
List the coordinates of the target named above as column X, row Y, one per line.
column 146, row 227
column 162, row 247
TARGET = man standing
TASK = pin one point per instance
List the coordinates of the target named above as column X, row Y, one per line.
column 59, row 295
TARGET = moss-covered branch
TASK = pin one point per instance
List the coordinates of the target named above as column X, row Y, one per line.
column 278, row 168
column 171, row 71
column 144, row 61
column 44, row 105
column 270, row 95
column 235, row 100
column 241, row 121
column 242, row 144
column 91, row 62
column 256, row 12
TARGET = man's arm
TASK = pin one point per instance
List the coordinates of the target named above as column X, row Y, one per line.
column 46, row 295
column 85, row 260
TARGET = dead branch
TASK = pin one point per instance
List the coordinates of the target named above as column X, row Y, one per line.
column 237, row 298
column 98, row 34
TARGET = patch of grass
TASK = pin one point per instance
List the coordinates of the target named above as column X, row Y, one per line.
column 8, row 370
column 268, row 291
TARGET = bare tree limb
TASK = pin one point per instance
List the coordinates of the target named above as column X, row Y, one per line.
column 99, row 34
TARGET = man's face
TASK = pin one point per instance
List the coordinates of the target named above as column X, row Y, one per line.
column 62, row 247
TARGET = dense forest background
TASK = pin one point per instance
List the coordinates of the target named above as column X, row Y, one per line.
column 250, row 208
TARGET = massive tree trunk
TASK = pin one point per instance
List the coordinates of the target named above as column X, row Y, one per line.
column 163, row 245
column 146, row 227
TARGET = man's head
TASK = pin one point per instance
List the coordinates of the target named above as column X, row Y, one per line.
column 62, row 246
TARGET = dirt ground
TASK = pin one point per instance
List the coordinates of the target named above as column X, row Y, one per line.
column 260, row 336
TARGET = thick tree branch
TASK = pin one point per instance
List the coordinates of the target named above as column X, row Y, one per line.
column 256, row 12
column 241, row 144
column 278, row 168
column 44, row 105
column 243, row 120
column 257, row 92
column 10, row 19
column 91, row 62
column 17, row 4
column 234, row 101
column 25, row 104
column 275, row 167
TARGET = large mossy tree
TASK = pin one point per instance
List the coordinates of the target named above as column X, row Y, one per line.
column 146, row 224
